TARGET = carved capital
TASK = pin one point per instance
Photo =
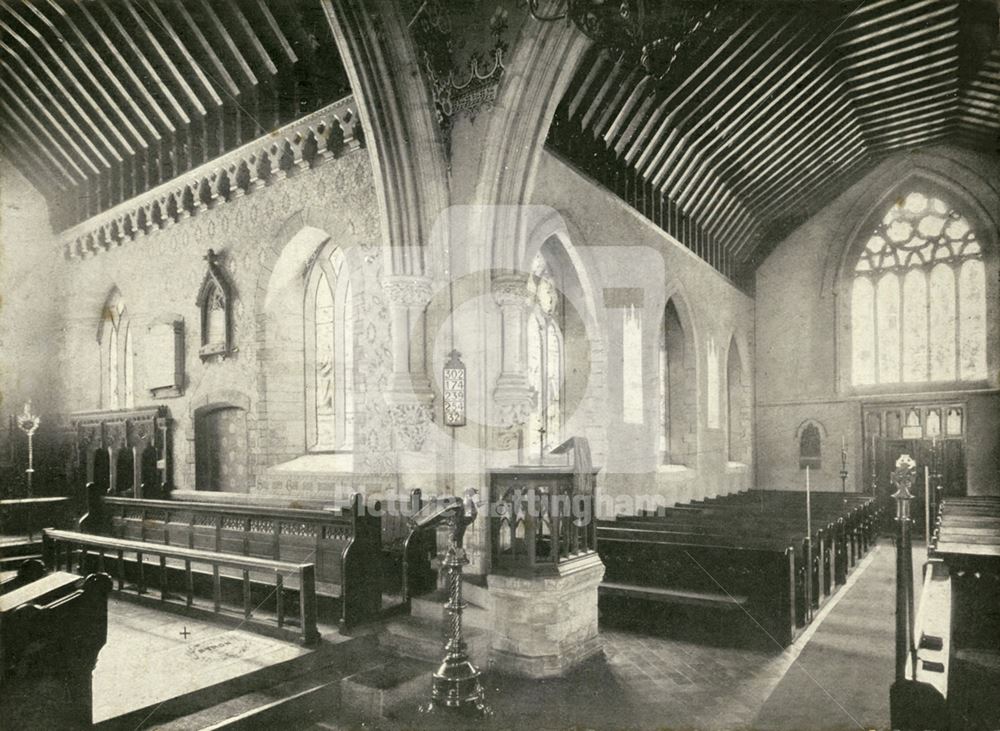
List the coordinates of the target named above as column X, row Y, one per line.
column 511, row 290
column 408, row 291
column 514, row 399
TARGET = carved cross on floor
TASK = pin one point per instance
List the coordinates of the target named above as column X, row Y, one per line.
column 185, row 633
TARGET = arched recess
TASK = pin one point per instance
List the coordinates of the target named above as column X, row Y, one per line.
column 221, row 448
column 558, row 350
column 116, row 347
column 937, row 175
column 399, row 125
column 678, row 385
column 738, row 407
column 809, row 439
column 286, row 321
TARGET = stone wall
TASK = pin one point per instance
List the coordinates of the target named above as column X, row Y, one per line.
column 803, row 370
column 159, row 275
column 621, row 249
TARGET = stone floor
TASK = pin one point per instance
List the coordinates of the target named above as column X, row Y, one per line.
column 148, row 658
column 640, row 681
column 643, row 681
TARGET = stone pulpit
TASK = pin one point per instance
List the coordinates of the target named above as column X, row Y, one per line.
column 544, row 565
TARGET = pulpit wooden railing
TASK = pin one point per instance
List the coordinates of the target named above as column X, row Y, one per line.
column 543, row 516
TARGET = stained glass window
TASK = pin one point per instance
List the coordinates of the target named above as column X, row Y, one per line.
column 544, row 361
column 918, row 300
column 331, row 402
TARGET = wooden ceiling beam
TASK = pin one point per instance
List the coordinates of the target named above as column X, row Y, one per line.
column 49, row 122
column 71, row 78
column 14, row 123
column 159, row 20
column 714, row 67
column 610, row 81
column 139, row 89
column 629, row 83
column 221, row 72
column 921, row 20
column 751, row 95
column 585, row 89
column 183, row 119
column 227, row 41
column 29, row 164
column 70, row 98
column 279, row 35
column 244, row 25
column 149, row 130
column 152, row 131
column 755, row 116
column 29, row 119
column 53, row 103
column 166, row 62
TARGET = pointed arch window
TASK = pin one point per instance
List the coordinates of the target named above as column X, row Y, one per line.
column 918, row 299
column 675, row 392
column 329, row 340
column 545, row 359
column 117, row 355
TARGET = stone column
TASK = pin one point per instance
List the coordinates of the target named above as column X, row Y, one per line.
column 513, row 395
column 410, row 396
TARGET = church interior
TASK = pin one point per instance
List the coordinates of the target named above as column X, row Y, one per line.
column 500, row 364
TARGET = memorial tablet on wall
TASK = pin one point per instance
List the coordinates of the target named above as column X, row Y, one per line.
column 164, row 357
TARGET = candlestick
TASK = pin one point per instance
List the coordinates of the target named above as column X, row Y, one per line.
column 808, row 506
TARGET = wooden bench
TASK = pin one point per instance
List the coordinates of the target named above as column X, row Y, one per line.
column 406, row 554
column 52, row 630
column 343, row 544
column 759, row 580
column 69, row 549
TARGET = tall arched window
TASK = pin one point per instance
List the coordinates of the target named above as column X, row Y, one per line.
column 918, row 299
column 117, row 359
column 329, row 339
column 675, row 400
column 545, row 359
column 737, row 407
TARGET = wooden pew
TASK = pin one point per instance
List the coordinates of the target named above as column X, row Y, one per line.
column 51, row 631
column 756, row 579
column 343, row 544
column 406, row 554
column 951, row 680
column 737, row 524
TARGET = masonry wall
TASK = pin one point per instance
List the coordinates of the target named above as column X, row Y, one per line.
column 620, row 251
column 802, row 328
column 30, row 284
column 159, row 274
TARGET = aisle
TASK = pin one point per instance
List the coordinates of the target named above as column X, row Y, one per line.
column 841, row 679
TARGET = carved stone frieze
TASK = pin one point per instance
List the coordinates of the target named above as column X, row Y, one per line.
column 511, row 290
column 408, row 291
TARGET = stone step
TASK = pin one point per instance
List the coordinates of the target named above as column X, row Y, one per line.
column 431, row 607
column 423, row 639
column 370, row 693
column 304, row 699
